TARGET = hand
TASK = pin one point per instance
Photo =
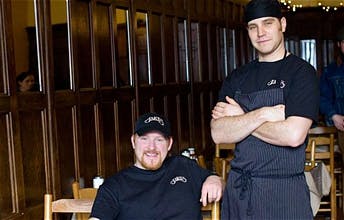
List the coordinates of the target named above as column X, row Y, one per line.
column 274, row 113
column 212, row 189
column 229, row 108
column 338, row 121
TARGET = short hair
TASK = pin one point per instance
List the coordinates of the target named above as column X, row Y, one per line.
column 23, row 75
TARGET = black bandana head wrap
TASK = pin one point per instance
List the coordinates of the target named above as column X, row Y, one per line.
column 262, row 8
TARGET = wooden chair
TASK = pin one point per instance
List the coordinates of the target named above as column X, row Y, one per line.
column 227, row 147
column 222, row 164
column 65, row 206
column 83, row 193
column 324, row 136
column 310, row 156
column 212, row 210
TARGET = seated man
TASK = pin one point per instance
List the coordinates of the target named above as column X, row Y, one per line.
column 156, row 186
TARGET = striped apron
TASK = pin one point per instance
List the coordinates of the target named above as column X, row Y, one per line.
column 266, row 181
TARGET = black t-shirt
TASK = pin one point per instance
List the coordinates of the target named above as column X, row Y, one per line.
column 171, row 192
column 295, row 76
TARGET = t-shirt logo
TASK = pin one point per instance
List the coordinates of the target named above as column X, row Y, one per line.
column 178, row 179
column 271, row 82
column 274, row 82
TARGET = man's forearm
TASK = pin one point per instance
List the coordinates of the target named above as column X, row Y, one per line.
column 232, row 129
column 290, row 132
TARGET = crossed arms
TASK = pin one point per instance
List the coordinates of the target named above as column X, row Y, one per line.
column 230, row 124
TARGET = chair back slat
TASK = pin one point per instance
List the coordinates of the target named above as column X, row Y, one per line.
column 83, row 193
column 73, row 205
column 65, row 206
column 323, row 137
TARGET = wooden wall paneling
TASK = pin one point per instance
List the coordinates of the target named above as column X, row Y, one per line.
column 235, row 12
column 185, row 120
column 195, row 51
column 172, row 111
column 103, row 20
column 204, row 52
column 3, row 48
column 123, row 75
column 180, row 5
column 168, row 5
column 141, row 5
column 155, row 5
column 98, row 126
column 66, row 157
column 145, row 100
column 142, row 68
column 242, row 46
column 200, row 7
column 61, row 56
column 182, row 66
column 7, row 186
column 159, row 102
column 213, row 54
column 126, row 113
column 245, row 46
column 12, row 202
column 34, row 117
column 221, row 55
column 238, row 48
column 5, row 104
column 32, row 148
column 121, row 3
column 87, row 148
column 105, row 70
column 108, row 112
column 205, row 146
column 169, row 49
column 210, row 8
column 2, row 69
column 7, row 65
column 220, row 8
column 155, row 33
column 82, row 49
column 228, row 12
column 198, row 118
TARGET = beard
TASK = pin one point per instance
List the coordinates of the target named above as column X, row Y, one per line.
column 151, row 163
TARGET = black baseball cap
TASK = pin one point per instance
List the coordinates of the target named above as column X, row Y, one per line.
column 262, row 8
column 152, row 122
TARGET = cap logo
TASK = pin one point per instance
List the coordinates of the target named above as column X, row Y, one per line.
column 155, row 118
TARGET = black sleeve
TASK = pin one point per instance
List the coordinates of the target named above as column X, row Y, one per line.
column 303, row 96
column 106, row 206
column 227, row 88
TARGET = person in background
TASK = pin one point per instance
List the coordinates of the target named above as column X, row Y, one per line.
column 266, row 107
column 332, row 91
column 26, row 82
column 156, row 186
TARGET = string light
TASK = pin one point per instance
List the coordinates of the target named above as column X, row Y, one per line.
column 321, row 4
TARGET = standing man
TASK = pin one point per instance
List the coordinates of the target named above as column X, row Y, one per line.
column 332, row 91
column 267, row 107
column 156, row 186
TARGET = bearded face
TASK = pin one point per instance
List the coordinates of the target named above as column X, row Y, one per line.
column 150, row 149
